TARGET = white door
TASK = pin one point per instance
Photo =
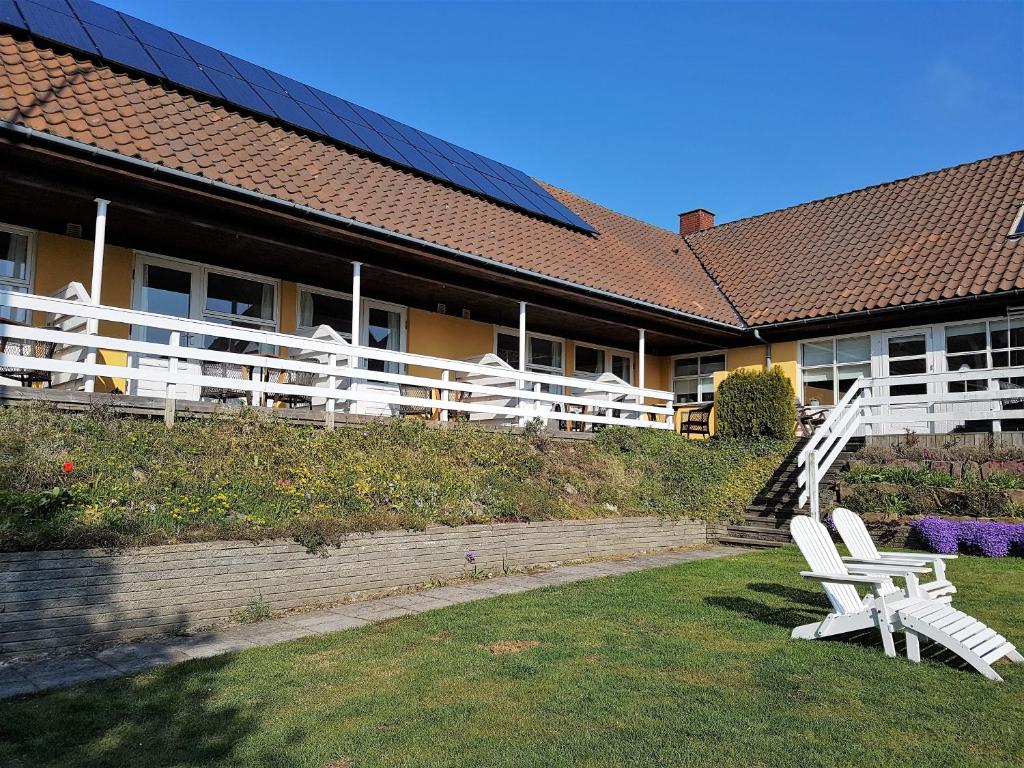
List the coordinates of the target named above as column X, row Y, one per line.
column 382, row 327
column 905, row 353
column 165, row 288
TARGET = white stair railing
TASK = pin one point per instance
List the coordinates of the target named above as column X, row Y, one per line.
column 987, row 395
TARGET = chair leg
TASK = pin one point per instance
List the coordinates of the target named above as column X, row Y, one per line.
column 913, row 645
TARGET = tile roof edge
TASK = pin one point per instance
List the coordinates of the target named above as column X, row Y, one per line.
column 714, row 281
column 879, row 185
column 338, row 218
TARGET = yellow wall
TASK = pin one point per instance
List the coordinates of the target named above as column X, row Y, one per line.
column 445, row 336
column 784, row 356
column 61, row 260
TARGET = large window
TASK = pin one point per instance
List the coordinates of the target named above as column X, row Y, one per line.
column 693, row 377
column 543, row 354
column 319, row 307
column 590, row 362
column 984, row 344
column 830, row 366
column 16, row 262
column 186, row 289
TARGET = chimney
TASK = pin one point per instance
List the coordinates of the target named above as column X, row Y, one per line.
column 695, row 221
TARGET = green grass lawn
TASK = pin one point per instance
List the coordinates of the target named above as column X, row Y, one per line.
column 688, row 665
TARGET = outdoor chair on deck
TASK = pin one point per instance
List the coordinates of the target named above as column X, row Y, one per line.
column 697, row 420
column 223, row 393
column 809, row 418
column 26, row 348
column 294, row 378
column 416, row 411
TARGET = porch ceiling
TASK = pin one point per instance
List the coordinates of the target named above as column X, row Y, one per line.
column 152, row 214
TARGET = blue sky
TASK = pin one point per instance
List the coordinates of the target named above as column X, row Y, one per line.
column 656, row 108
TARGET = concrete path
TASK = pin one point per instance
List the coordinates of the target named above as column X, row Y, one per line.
column 63, row 671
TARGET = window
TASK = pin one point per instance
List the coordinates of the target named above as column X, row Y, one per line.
column 589, row 361
column 693, row 379
column 622, row 366
column 544, row 354
column 241, row 302
column 317, row 307
column 983, row 344
column 1018, row 223
column 830, row 366
column 16, row 263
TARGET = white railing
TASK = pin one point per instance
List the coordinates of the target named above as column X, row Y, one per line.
column 870, row 407
column 336, row 375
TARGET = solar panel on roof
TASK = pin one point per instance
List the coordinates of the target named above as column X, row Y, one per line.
column 137, row 44
column 56, row 26
column 184, row 71
column 123, row 50
column 238, row 91
column 9, row 14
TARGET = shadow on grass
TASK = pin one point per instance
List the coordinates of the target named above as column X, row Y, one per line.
column 814, row 598
column 167, row 717
column 762, row 612
column 789, row 618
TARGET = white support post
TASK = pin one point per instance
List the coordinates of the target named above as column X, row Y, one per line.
column 332, row 384
column 445, row 378
column 522, row 355
column 812, row 484
column 357, row 335
column 169, row 394
column 92, row 325
column 641, row 368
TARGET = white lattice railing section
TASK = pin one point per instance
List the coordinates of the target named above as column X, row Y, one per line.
column 338, row 375
column 948, row 402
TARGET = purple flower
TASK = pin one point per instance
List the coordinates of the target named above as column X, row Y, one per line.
column 986, row 538
column 942, row 536
column 981, row 537
column 471, row 556
column 830, row 524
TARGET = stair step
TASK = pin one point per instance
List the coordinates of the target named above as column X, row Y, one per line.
column 766, row 533
column 756, row 543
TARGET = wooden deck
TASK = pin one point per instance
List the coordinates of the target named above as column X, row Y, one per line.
column 157, row 408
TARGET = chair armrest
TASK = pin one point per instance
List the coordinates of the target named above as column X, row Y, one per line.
column 857, row 562
column 890, row 570
column 844, row 578
column 924, row 558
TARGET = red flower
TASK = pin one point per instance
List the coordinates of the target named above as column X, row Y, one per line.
column 68, row 467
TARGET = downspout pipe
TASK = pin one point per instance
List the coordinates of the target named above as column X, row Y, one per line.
column 767, row 349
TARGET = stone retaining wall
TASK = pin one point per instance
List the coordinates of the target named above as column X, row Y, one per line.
column 60, row 600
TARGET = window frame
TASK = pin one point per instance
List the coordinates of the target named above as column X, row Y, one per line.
column 610, row 353
column 835, row 365
column 697, row 377
column 203, row 271
column 300, row 287
column 530, row 335
column 26, row 284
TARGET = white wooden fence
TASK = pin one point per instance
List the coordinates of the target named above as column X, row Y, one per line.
column 869, row 407
column 342, row 375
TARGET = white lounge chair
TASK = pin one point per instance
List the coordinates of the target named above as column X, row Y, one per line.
column 890, row 609
column 863, row 551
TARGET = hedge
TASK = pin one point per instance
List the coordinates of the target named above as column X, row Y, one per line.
column 755, row 404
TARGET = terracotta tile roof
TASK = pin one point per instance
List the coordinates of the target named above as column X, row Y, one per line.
column 80, row 100
column 935, row 236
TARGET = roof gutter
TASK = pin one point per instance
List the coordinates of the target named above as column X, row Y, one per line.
column 885, row 310
column 89, row 149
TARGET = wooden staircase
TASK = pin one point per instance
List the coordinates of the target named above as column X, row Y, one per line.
column 766, row 519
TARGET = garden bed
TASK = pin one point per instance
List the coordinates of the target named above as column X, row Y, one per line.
column 100, row 480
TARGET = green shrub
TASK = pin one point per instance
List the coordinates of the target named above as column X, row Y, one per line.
column 755, row 404
column 252, row 477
